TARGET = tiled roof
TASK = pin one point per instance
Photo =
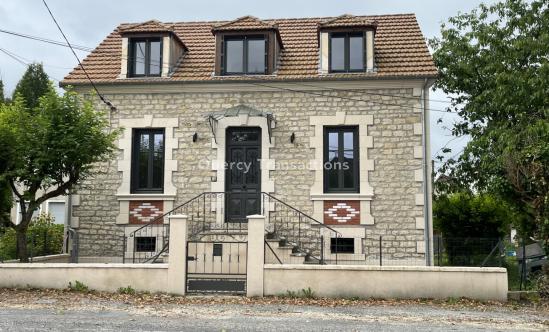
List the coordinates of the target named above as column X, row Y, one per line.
column 400, row 52
column 244, row 23
column 347, row 20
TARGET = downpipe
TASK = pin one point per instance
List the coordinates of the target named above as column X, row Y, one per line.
column 426, row 173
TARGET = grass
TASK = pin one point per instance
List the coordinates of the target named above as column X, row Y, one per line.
column 78, row 286
column 126, row 290
column 307, row 293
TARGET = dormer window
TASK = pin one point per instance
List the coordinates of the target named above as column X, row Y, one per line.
column 245, row 55
column 346, row 52
column 145, row 57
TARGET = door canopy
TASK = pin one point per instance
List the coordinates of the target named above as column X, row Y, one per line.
column 214, row 117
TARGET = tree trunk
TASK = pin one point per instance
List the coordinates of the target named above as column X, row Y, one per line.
column 22, row 252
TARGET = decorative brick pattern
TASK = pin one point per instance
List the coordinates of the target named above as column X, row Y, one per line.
column 144, row 212
column 342, row 212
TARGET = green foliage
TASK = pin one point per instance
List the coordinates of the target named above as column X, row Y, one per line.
column 33, row 85
column 6, row 202
column 2, row 98
column 463, row 215
column 493, row 62
column 301, row 294
column 126, row 290
column 78, row 286
column 55, row 145
column 43, row 238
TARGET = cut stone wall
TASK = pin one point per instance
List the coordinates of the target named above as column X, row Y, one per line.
column 394, row 132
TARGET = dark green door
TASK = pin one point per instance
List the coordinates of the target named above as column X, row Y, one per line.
column 243, row 180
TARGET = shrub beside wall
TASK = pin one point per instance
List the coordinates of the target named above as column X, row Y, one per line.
column 43, row 238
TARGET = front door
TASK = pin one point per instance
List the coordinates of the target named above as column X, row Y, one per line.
column 243, row 178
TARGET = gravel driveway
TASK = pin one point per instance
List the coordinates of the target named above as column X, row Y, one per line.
column 65, row 311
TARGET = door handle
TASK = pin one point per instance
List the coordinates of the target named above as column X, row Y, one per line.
column 191, row 258
column 244, row 187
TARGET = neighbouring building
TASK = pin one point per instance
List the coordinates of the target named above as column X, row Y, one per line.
column 320, row 124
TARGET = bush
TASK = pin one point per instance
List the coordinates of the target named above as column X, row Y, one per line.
column 470, row 225
column 43, row 238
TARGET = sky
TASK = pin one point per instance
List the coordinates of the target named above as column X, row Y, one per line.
column 88, row 22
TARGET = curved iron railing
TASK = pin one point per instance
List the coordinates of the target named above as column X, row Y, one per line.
column 206, row 216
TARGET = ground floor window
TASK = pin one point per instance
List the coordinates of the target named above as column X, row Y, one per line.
column 145, row 243
column 342, row 245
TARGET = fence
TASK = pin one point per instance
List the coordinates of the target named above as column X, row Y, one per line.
column 44, row 241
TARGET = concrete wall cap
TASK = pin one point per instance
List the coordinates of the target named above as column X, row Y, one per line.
column 81, row 265
column 385, row 268
column 255, row 216
column 178, row 216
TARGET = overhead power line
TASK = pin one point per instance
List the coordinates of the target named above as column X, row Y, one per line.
column 345, row 97
column 103, row 99
column 21, row 60
column 46, row 40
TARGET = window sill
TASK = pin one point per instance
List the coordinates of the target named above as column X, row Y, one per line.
column 342, row 196
column 139, row 197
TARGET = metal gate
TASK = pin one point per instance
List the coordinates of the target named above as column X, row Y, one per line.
column 216, row 267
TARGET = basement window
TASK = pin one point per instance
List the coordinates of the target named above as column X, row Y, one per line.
column 145, row 57
column 342, row 245
column 145, row 244
column 217, row 249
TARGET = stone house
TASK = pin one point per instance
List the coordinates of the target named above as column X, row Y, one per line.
column 320, row 124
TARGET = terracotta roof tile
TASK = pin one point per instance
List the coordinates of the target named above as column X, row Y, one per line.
column 400, row 50
column 347, row 20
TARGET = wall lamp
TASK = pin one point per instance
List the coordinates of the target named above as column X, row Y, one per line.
column 195, row 137
column 292, row 138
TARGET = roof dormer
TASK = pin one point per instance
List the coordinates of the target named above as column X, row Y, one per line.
column 150, row 49
column 246, row 46
column 347, row 45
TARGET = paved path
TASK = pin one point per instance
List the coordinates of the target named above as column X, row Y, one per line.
column 117, row 316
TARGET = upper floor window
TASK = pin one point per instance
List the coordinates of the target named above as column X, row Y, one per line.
column 148, row 161
column 346, row 52
column 145, row 57
column 244, row 55
column 341, row 171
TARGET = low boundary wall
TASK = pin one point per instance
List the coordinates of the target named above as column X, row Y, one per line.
column 102, row 277
column 397, row 282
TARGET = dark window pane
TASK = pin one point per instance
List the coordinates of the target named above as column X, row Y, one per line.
column 338, row 53
column 145, row 243
column 356, row 53
column 256, row 55
column 155, row 65
column 158, row 160
column 234, row 56
column 148, row 160
column 139, row 58
column 341, row 151
column 342, row 245
column 144, row 147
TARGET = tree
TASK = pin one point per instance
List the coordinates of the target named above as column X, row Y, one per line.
column 494, row 63
column 2, row 98
column 33, row 85
column 50, row 149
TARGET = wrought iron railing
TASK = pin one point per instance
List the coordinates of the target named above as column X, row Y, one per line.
column 149, row 243
column 296, row 229
column 206, row 216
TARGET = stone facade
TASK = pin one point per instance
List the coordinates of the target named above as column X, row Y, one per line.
column 396, row 206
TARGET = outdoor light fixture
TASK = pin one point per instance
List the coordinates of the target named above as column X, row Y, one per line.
column 195, row 137
column 292, row 138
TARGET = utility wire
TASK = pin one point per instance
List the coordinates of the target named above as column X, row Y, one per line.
column 345, row 98
column 21, row 60
column 103, row 99
column 46, row 40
